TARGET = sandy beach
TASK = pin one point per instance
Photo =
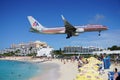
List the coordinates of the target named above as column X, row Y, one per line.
column 67, row 71
column 59, row 70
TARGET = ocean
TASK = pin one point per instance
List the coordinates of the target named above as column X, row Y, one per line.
column 19, row 70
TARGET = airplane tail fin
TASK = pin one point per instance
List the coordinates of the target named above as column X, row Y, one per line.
column 35, row 24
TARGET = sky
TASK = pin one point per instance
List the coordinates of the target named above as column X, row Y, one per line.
column 14, row 25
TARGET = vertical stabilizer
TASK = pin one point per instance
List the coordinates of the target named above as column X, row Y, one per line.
column 34, row 23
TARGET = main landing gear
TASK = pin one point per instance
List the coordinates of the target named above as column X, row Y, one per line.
column 99, row 33
column 68, row 35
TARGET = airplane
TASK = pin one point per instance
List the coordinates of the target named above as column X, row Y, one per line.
column 68, row 28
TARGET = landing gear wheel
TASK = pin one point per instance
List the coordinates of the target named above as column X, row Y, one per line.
column 99, row 33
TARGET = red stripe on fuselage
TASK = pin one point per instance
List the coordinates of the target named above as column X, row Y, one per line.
column 53, row 30
column 95, row 28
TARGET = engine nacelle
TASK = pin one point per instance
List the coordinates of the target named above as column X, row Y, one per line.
column 76, row 34
column 79, row 30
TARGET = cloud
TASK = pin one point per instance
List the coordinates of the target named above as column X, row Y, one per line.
column 98, row 18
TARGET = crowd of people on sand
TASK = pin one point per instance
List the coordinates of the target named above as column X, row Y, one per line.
column 116, row 59
column 83, row 61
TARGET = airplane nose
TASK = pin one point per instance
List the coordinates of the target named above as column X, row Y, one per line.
column 106, row 28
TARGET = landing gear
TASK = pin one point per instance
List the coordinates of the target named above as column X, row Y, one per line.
column 68, row 35
column 99, row 33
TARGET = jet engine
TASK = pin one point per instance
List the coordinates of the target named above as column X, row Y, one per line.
column 79, row 30
column 76, row 34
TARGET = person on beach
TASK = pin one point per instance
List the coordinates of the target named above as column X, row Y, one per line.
column 86, row 61
column 80, row 63
column 116, row 60
column 115, row 74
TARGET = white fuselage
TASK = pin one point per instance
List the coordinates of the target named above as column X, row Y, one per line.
column 79, row 29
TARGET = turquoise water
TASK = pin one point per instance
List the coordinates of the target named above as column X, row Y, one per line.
column 17, row 70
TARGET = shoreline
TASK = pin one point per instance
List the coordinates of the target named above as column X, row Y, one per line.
column 50, row 72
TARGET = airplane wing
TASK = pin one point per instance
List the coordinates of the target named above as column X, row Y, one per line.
column 69, row 29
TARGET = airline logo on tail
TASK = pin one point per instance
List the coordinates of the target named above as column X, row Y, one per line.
column 35, row 24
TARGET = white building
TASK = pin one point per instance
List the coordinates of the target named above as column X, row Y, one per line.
column 79, row 50
column 41, row 48
column 106, row 52
column 44, row 51
column 36, row 44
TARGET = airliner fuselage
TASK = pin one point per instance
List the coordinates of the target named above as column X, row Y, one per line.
column 69, row 29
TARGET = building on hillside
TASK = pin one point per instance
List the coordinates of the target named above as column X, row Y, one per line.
column 36, row 44
column 28, row 48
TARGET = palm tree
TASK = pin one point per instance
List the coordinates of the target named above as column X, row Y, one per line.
column 30, row 49
column 17, row 51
